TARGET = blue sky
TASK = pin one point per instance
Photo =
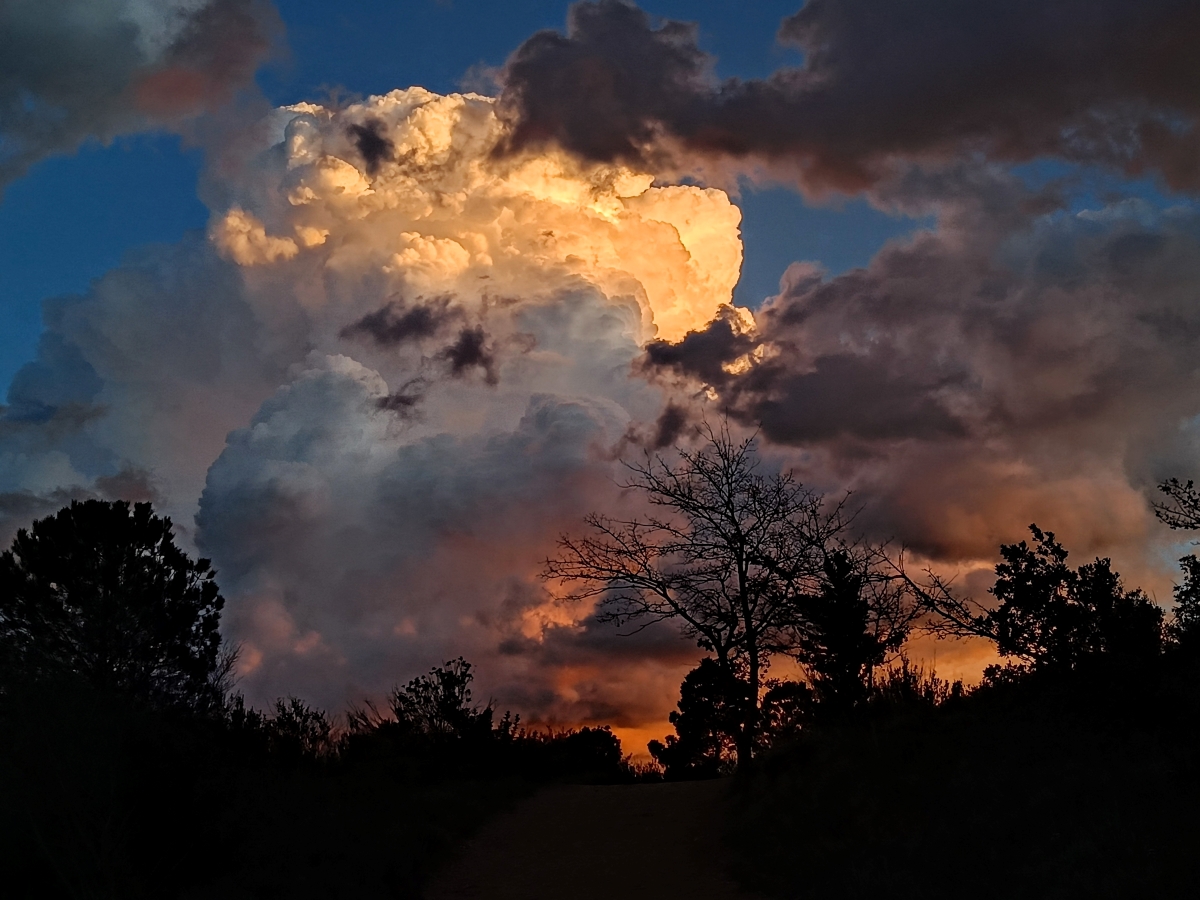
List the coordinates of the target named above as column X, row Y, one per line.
column 73, row 217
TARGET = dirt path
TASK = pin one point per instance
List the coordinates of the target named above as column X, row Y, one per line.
column 616, row 842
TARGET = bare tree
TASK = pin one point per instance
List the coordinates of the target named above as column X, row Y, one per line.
column 729, row 553
column 1182, row 509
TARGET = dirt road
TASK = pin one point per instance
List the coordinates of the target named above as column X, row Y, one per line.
column 587, row 842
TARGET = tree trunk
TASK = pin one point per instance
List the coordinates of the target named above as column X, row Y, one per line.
column 750, row 727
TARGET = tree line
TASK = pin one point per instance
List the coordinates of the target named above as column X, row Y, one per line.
column 99, row 597
column 131, row 768
column 752, row 566
column 755, row 567
column 110, row 641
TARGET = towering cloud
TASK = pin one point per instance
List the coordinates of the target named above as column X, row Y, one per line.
column 1088, row 80
column 74, row 69
column 396, row 369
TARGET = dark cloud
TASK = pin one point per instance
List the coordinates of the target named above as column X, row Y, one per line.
column 669, row 426
column 603, row 89
column 1103, row 81
column 18, row 509
column 704, row 354
column 395, row 323
column 471, row 351
column 405, row 401
column 133, row 484
column 1008, row 367
column 869, row 397
column 75, row 69
column 376, row 147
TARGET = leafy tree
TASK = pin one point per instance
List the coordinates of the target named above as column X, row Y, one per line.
column 708, row 724
column 589, row 752
column 1182, row 511
column 99, row 591
column 859, row 614
column 787, row 706
column 728, row 553
column 297, row 731
column 1185, row 625
column 440, row 703
column 1051, row 616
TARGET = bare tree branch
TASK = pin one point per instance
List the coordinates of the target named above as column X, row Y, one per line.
column 1182, row 509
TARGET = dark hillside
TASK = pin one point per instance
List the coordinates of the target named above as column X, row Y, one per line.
column 1078, row 785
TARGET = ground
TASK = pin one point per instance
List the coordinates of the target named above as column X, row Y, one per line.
column 588, row 842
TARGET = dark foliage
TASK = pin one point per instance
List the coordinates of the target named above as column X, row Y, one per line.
column 728, row 554
column 858, row 615
column 1184, row 629
column 1049, row 616
column 99, row 593
column 787, row 707
column 1052, row 784
column 101, row 797
column 1053, row 616
column 712, row 707
column 1070, row 774
column 104, row 796
column 433, row 727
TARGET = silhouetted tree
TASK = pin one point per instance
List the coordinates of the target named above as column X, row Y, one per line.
column 727, row 555
column 859, row 614
column 1184, row 628
column 787, row 706
column 904, row 684
column 708, row 724
column 1051, row 616
column 1182, row 509
column 99, row 591
column 296, row 731
column 587, row 752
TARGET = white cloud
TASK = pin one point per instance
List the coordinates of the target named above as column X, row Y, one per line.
column 398, row 370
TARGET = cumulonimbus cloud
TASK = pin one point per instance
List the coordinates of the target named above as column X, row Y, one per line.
column 384, row 383
column 1098, row 81
column 78, row 69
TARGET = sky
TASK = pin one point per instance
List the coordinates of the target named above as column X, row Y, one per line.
column 373, row 298
column 110, row 196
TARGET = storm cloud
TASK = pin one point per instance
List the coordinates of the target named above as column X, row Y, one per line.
column 79, row 69
column 1015, row 363
column 375, row 393
column 1097, row 81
